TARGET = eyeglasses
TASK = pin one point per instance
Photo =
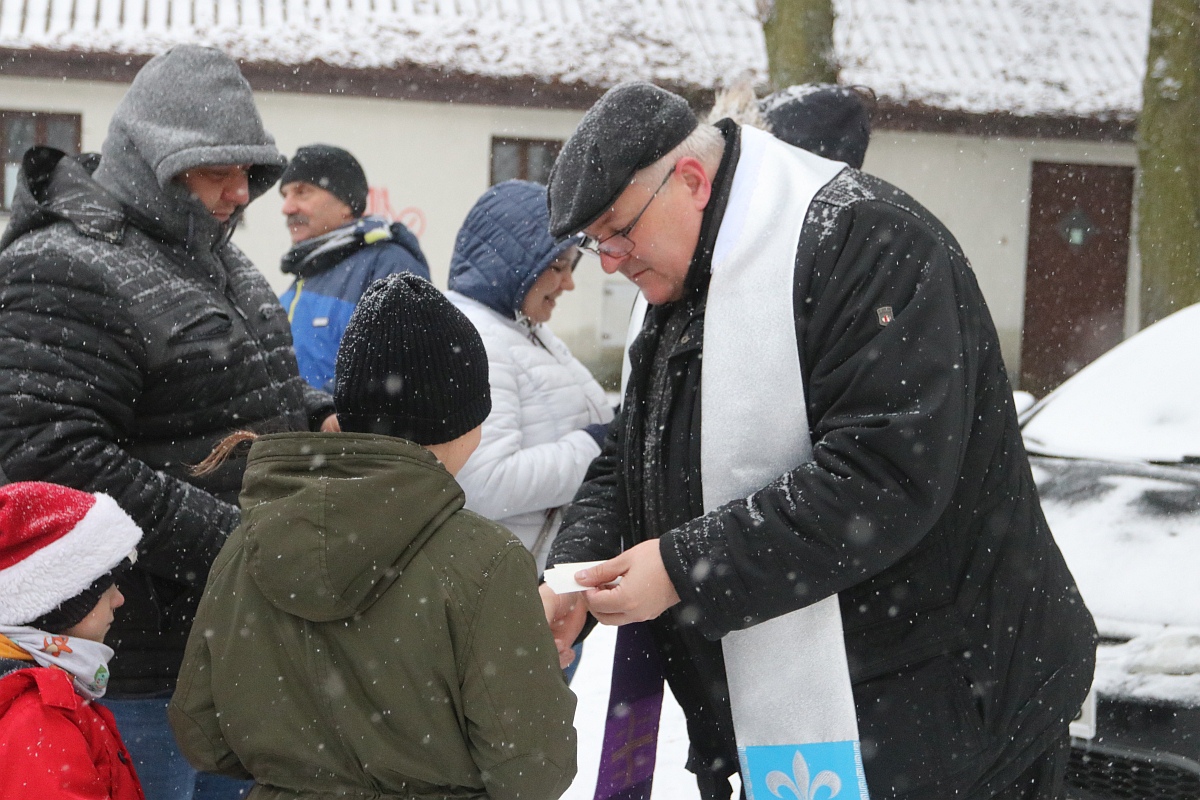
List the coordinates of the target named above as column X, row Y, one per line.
column 619, row 245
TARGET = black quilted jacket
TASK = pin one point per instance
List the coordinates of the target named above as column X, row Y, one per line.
column 968, row 645
column 126, row 352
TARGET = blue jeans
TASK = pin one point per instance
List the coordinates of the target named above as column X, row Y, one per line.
column 164, row 772
column 569, row 672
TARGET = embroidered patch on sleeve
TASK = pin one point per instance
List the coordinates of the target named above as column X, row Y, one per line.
column 884, row 314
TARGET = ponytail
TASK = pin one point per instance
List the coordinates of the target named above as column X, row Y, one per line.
column 224, row 449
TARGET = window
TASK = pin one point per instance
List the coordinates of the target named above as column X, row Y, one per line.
column 21, row 130
column 527, row 159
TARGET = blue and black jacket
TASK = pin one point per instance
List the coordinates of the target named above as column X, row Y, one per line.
column 332, row 272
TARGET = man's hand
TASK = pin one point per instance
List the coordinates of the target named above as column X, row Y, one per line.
column 566, row 616
column 330, row 425
column 645, row 590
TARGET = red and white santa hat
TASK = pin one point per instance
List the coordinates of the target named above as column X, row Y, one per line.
column 56, row 542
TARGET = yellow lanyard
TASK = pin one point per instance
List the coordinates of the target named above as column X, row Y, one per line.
column 295, row 299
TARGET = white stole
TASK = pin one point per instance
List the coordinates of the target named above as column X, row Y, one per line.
column 789, row 683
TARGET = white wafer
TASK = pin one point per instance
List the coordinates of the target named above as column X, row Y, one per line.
column 561, row 578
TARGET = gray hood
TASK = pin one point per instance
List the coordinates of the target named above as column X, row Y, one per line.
column 189, row 107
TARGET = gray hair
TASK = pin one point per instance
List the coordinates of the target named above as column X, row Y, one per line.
column 738, row 102
column 705, row 144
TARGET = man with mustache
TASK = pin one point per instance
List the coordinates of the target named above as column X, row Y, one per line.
column 336, row 252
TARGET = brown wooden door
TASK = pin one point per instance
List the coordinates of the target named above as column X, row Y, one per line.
column 1076, row 266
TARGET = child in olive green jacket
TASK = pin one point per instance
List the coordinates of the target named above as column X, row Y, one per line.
column 361, row 633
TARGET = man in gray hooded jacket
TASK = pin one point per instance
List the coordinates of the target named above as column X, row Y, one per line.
column 133, row 336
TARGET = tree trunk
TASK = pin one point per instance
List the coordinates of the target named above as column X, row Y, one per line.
column 1169, row 162
column 799, row 36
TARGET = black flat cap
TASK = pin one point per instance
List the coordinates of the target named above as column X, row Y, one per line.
column 633, row 125
column 829, row 120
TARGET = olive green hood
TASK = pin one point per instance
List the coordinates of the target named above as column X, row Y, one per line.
column 364, row 636
column 331, row 520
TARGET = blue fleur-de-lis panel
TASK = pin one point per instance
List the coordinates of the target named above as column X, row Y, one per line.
column 821, row 771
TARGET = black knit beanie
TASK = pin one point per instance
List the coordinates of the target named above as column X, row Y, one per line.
column 332, row 169
column 411, row 365
column 829, row 120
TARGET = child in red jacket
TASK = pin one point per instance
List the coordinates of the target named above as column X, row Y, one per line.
column 59, row 550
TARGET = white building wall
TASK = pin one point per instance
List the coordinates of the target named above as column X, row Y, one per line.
column 432, row 157
column 94, row 100
column 435, row 158
column 979, row 187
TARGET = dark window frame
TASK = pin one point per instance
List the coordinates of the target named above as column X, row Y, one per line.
column 42, row 120
column 524, row 146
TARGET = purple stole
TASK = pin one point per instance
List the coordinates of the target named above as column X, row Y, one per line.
column 634, row 706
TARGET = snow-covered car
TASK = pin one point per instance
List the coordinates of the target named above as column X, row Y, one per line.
column 1116, row 455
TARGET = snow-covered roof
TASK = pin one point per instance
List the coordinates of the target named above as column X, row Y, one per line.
column 1028, row 57
column 1083, row 58
column 595, row 42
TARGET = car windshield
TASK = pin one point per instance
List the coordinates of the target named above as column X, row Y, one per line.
column 1128, row 528
column 1138, row 402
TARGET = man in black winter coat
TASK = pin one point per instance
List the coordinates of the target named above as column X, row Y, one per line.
column 134, row 336
column 907, row 497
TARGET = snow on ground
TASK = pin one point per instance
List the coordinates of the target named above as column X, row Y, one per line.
column 671, row 780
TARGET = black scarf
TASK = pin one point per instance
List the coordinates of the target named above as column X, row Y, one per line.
column 323, row 252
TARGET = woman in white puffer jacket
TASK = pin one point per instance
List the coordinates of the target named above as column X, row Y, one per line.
column 549, row 415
